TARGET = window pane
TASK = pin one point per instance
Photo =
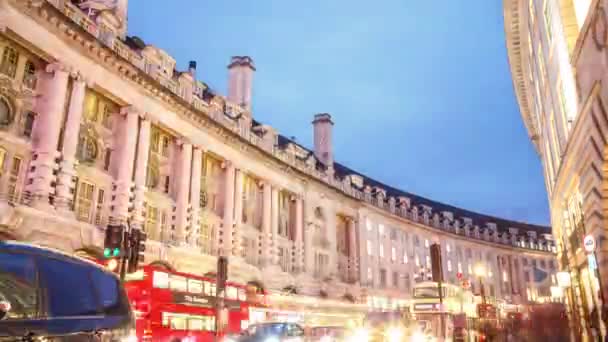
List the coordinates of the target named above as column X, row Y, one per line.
column 69, row 288
column 231, row 292
column 17, row 285
column 177, row 283
column 160, row 280
column 195, row 286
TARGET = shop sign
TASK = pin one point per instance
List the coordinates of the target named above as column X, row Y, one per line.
column 591, row 262
column 563, row 279
column 589, row 243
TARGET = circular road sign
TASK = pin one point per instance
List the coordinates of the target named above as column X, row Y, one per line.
column 589, row 243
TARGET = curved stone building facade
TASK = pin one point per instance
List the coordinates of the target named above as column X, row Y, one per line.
column 557, row 51
column 100, row 127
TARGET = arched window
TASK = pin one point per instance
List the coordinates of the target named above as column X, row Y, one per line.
column 8, row 66
column 6, row 117
column 29, row 75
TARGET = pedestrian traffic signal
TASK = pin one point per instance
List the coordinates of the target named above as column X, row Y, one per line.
column 113, row 241
column 137, row 247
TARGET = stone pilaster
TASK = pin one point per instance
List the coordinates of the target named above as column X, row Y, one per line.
column 266, row 224
column 125, row 143
column 50, row 106
column 195, row 194
column 274, row 248
column 182, row 191
column 228, row 222
column 238, row 214
column 353, row 263
column 141, row 170
column 299, row 234
column 65, row 183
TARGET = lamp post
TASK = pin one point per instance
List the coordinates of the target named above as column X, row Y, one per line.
column 480, row 272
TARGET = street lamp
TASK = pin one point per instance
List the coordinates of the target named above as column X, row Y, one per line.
column 480, row 272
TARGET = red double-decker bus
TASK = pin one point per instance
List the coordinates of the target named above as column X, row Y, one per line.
column 172, row 306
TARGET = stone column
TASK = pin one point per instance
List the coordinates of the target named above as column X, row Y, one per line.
column 266, row 224
column 274, row 249
column 50, row 106
column 352, row 249
column 238, row 214
column 125, row 143
column 299, row 234
column 183, row 190
column 141, row 170
column 228, row 223
column 195, row 193
column 65, row 182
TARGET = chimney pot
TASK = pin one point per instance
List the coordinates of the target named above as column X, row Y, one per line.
column 322, row 125
column 240, row 80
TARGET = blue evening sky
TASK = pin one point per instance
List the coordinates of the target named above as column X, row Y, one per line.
column 420, row 91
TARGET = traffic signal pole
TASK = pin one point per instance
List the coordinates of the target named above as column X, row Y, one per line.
column 126, row 250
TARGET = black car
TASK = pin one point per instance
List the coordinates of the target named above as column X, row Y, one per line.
column 48, row 294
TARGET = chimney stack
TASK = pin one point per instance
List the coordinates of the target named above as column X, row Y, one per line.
column 240, row 80
column 322, row 126
column 192, row 69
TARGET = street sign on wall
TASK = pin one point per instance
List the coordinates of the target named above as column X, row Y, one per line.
column 589, row 243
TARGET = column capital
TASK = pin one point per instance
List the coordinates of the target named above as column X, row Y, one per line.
column 182, row 142
column 130, row 110
column 57, row 66
column 80, row 78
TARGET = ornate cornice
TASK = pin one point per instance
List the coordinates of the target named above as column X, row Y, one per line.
column 514, row 29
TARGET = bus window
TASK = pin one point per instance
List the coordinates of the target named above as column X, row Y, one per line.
column 428, row 292
column 160, row 280
column 231, row 292
column 195, row 286
column 17, row 287
column 69, row 288
column 178, row 283
column 196, row 323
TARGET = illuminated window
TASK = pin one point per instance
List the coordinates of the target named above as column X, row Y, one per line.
column 417, row 260
column 8, row 66
column 405, row 258
column 381, row 229
column 459, row 267
column 160, row 280
column 449, row 265
column 195, row 286
column 393, row 254
column 428, row 261
column 84, row 201
column 470, row 269
column 91, row 106
column 369, row 248
column 381, row 251
column 426, row 243
column 448, row 248
column 151, row 220
column 178, row 283
column 368, row 224
column 504, row 276
column 29, row 75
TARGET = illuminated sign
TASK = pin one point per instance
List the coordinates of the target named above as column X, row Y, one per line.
column 589, row 243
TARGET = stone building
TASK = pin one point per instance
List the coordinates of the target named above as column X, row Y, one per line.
column 99, row 127
column 557, row 51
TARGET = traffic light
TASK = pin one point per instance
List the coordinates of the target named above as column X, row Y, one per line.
column 113, row 242
column 137, row 247
column 436, row 263
column 222, row 272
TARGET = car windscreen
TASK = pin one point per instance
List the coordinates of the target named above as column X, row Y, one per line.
column 75, row 289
